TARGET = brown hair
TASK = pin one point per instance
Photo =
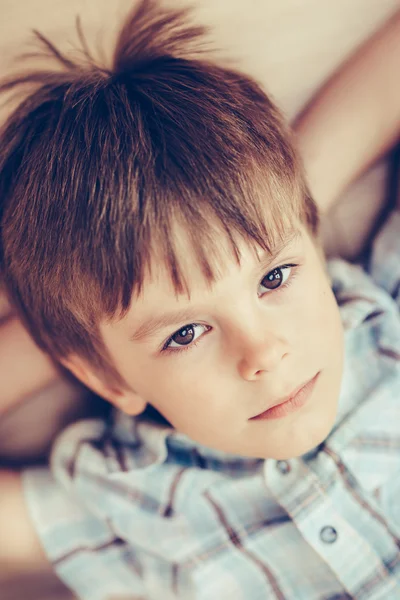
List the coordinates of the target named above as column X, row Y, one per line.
column 97, row 164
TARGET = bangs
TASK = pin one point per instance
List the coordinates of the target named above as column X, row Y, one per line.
column 260, row 213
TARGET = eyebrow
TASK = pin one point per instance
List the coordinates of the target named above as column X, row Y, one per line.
column 185, row 316
column 154, row 324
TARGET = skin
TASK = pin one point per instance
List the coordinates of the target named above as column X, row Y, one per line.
column 255, row 343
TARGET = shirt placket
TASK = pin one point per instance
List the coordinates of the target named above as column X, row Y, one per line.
column 351, row 558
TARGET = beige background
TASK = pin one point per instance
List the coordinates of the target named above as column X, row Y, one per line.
column 291, row 46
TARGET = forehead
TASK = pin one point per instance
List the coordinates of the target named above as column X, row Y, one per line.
column 208, row 237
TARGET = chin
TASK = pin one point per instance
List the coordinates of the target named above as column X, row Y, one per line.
column 312, row 438
column 305, row 439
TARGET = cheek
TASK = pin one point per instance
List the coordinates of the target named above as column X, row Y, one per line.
column 182, row 392
column 316, row 313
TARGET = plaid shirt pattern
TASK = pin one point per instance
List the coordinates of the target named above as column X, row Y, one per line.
column 135, row 510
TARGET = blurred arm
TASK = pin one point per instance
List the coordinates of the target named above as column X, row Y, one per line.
column 20, row 550
column 24, row 368
column 354, row 118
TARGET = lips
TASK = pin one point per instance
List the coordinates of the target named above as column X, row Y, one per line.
column 293, row 401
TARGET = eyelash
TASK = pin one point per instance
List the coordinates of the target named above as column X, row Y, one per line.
column 166, row 350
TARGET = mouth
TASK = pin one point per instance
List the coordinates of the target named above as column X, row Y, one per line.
column 290, row 403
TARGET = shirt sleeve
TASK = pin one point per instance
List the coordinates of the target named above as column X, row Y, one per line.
column 85, row 553
column 384, row 264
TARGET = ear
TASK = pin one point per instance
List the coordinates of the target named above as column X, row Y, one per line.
column 126, row 399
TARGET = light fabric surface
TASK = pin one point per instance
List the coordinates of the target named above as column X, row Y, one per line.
column 141, row 510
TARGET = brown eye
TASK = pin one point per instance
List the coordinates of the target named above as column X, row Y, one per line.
column 273, row 279
column 184, row 336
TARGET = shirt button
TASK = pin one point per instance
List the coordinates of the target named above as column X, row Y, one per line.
column 328, row 534
column 283, row 467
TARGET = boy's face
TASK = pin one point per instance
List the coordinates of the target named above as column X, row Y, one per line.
column 212, row 363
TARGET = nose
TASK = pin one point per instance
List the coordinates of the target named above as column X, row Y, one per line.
column 261, row 354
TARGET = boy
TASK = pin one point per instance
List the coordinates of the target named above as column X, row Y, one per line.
column 181, row 269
